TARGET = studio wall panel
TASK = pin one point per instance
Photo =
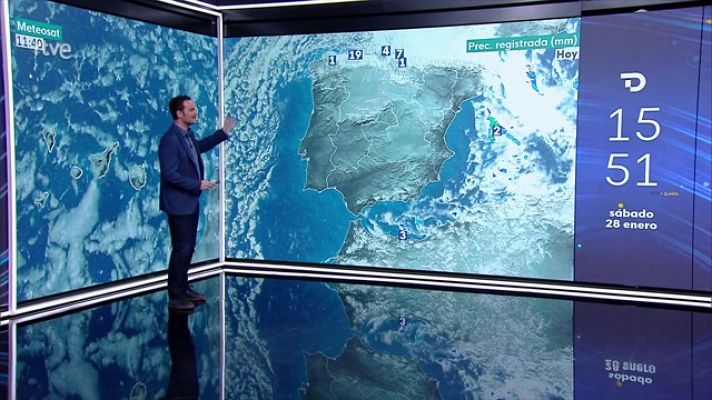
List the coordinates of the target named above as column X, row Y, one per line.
column 91, row 103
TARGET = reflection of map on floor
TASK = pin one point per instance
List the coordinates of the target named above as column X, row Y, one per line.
column 402, row 149
column 120, row 350
column 361, row 370
column 87, row 126
column 296, row 339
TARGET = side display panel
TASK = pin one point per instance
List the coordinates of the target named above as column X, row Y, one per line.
column 639, row 189
column 702, row 256
column 298, row 339
column 91, row 103
column 446, row 149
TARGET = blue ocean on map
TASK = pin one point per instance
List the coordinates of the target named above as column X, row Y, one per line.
column 301, row 215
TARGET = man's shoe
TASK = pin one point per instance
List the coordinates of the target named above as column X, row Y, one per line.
column 194, row 296
column 181, row 304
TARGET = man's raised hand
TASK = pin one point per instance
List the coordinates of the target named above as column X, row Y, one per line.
column 228, row 124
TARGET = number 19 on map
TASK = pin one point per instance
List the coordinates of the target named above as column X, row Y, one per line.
column 355, row 54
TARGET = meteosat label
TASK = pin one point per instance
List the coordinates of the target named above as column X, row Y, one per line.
column 43, row 38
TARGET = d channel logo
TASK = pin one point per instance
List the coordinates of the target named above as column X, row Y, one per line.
column 630, row 77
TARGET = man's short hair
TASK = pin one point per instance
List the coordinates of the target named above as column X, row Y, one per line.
column 176, row 104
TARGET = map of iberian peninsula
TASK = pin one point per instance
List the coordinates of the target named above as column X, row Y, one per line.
column 378, row 134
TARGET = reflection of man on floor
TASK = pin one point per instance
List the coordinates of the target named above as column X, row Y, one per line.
column 182, row 182
column 183, row 381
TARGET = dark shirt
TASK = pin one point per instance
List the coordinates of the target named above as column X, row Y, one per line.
column 188, row 136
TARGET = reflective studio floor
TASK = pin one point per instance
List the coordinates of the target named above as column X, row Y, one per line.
column 292, row 339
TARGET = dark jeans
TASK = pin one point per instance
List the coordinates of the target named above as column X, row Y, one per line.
column 184, row 229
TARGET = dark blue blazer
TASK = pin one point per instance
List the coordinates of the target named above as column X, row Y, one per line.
column 180, row 181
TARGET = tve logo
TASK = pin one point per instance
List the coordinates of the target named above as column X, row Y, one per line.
column 43, row 38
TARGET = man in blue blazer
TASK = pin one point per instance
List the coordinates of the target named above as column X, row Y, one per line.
column 182, row 182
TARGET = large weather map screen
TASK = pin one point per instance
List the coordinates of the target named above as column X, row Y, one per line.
column 442, row 149
column 473, row 149
column 91, row 93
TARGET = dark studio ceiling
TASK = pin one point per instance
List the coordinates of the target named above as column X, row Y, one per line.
column 263, row 17
column 268, row 17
